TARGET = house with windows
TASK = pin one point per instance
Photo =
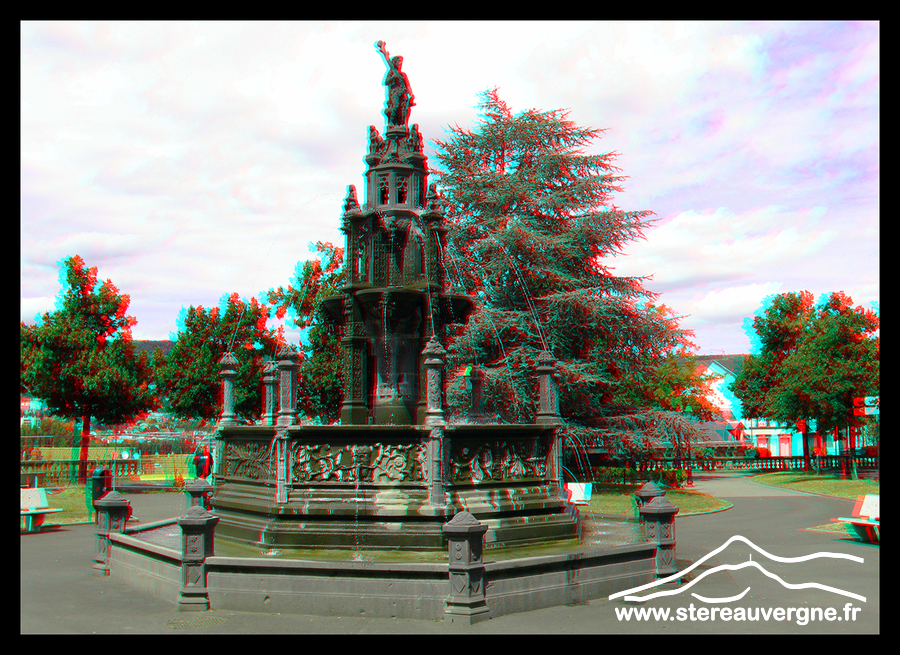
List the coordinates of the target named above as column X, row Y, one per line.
column 772, row 438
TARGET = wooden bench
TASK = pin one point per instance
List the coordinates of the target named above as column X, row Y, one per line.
column 866, row 519
column 34, row 509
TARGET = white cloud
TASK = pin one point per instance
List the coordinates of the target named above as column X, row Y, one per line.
column 718, row 245
column 190, row 159
column 733, row 303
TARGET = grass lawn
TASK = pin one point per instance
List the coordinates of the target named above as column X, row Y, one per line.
column 74, row 503
column 829, row 485
column 618, row 499
column 613, row 499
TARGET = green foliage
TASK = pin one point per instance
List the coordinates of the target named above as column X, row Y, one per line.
column 531, row 219
column 188, row 377
column 618, row 475
column 813, row 360
column 62, row 431
column 674, row 386
column 80, row 359
column 320, row 372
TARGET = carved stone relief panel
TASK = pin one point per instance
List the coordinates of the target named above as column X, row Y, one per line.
column 248, row 459
column 500, row 460
column 375, row 463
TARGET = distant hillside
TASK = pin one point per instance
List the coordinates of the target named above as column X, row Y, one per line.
column 150, row 346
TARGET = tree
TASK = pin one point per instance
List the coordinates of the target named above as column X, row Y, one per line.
column 531, row 219
column 320, row 371
column 188, row 377
column 80, row 359
column 813, row 360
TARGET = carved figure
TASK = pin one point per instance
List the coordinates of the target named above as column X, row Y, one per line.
column 398, row 93
column 375, row 140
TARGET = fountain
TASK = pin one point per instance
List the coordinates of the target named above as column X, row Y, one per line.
column 393, row 472
column 394, row 476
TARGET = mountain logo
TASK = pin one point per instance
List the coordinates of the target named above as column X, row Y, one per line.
column 628, row 594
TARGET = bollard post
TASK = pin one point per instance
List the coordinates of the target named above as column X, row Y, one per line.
column 198, row 493
column 197, row 532
column 659, row 524
column 112, row 513
column 466, row 604
column 647, row 492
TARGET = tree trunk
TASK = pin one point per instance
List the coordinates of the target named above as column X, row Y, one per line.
column 806, row 463
column 83, row 455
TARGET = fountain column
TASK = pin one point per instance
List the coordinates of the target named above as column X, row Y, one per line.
column 282, row 464
column 227, row 372
column 287, row 365
column 434, row 417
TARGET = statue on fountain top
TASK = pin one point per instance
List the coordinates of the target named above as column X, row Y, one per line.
column 399, row 97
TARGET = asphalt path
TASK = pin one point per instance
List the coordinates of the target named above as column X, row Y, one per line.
column 60, row 594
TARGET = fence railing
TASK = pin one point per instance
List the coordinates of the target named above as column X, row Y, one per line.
column 66, row 472
column 825, row 462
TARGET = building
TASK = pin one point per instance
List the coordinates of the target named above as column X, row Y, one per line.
column 772, row 438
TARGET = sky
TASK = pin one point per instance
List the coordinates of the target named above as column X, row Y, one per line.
column 190, row 160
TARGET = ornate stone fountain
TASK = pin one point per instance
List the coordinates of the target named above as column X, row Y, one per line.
column 393, row 472
column 395, row 475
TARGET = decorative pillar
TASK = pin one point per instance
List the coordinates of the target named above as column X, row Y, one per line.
column 476, row 381
column 548, row 392
column 197, row 529
column 112, row 513
column 434, row 365
column 548, row 415
column 659, row 527
column 227, row 371
column 354, row 369
column 288, row 363
column 466, row 604
column 433, row 355
column 269, row 380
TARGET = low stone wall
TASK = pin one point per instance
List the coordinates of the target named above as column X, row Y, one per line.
column 413, row 591
column 527, row 584
column 151, row 568
column 174, row 560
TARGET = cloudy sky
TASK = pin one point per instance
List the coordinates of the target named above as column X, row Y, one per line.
column 189, row 160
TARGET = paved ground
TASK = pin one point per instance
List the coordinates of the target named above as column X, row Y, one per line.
column 60, row 595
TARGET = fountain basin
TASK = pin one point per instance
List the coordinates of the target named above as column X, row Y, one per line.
column 387, row 584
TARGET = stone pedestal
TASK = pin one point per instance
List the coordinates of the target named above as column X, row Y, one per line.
column 112, row 513
column 466, row 603
column 659, row 525
column 197, row 529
